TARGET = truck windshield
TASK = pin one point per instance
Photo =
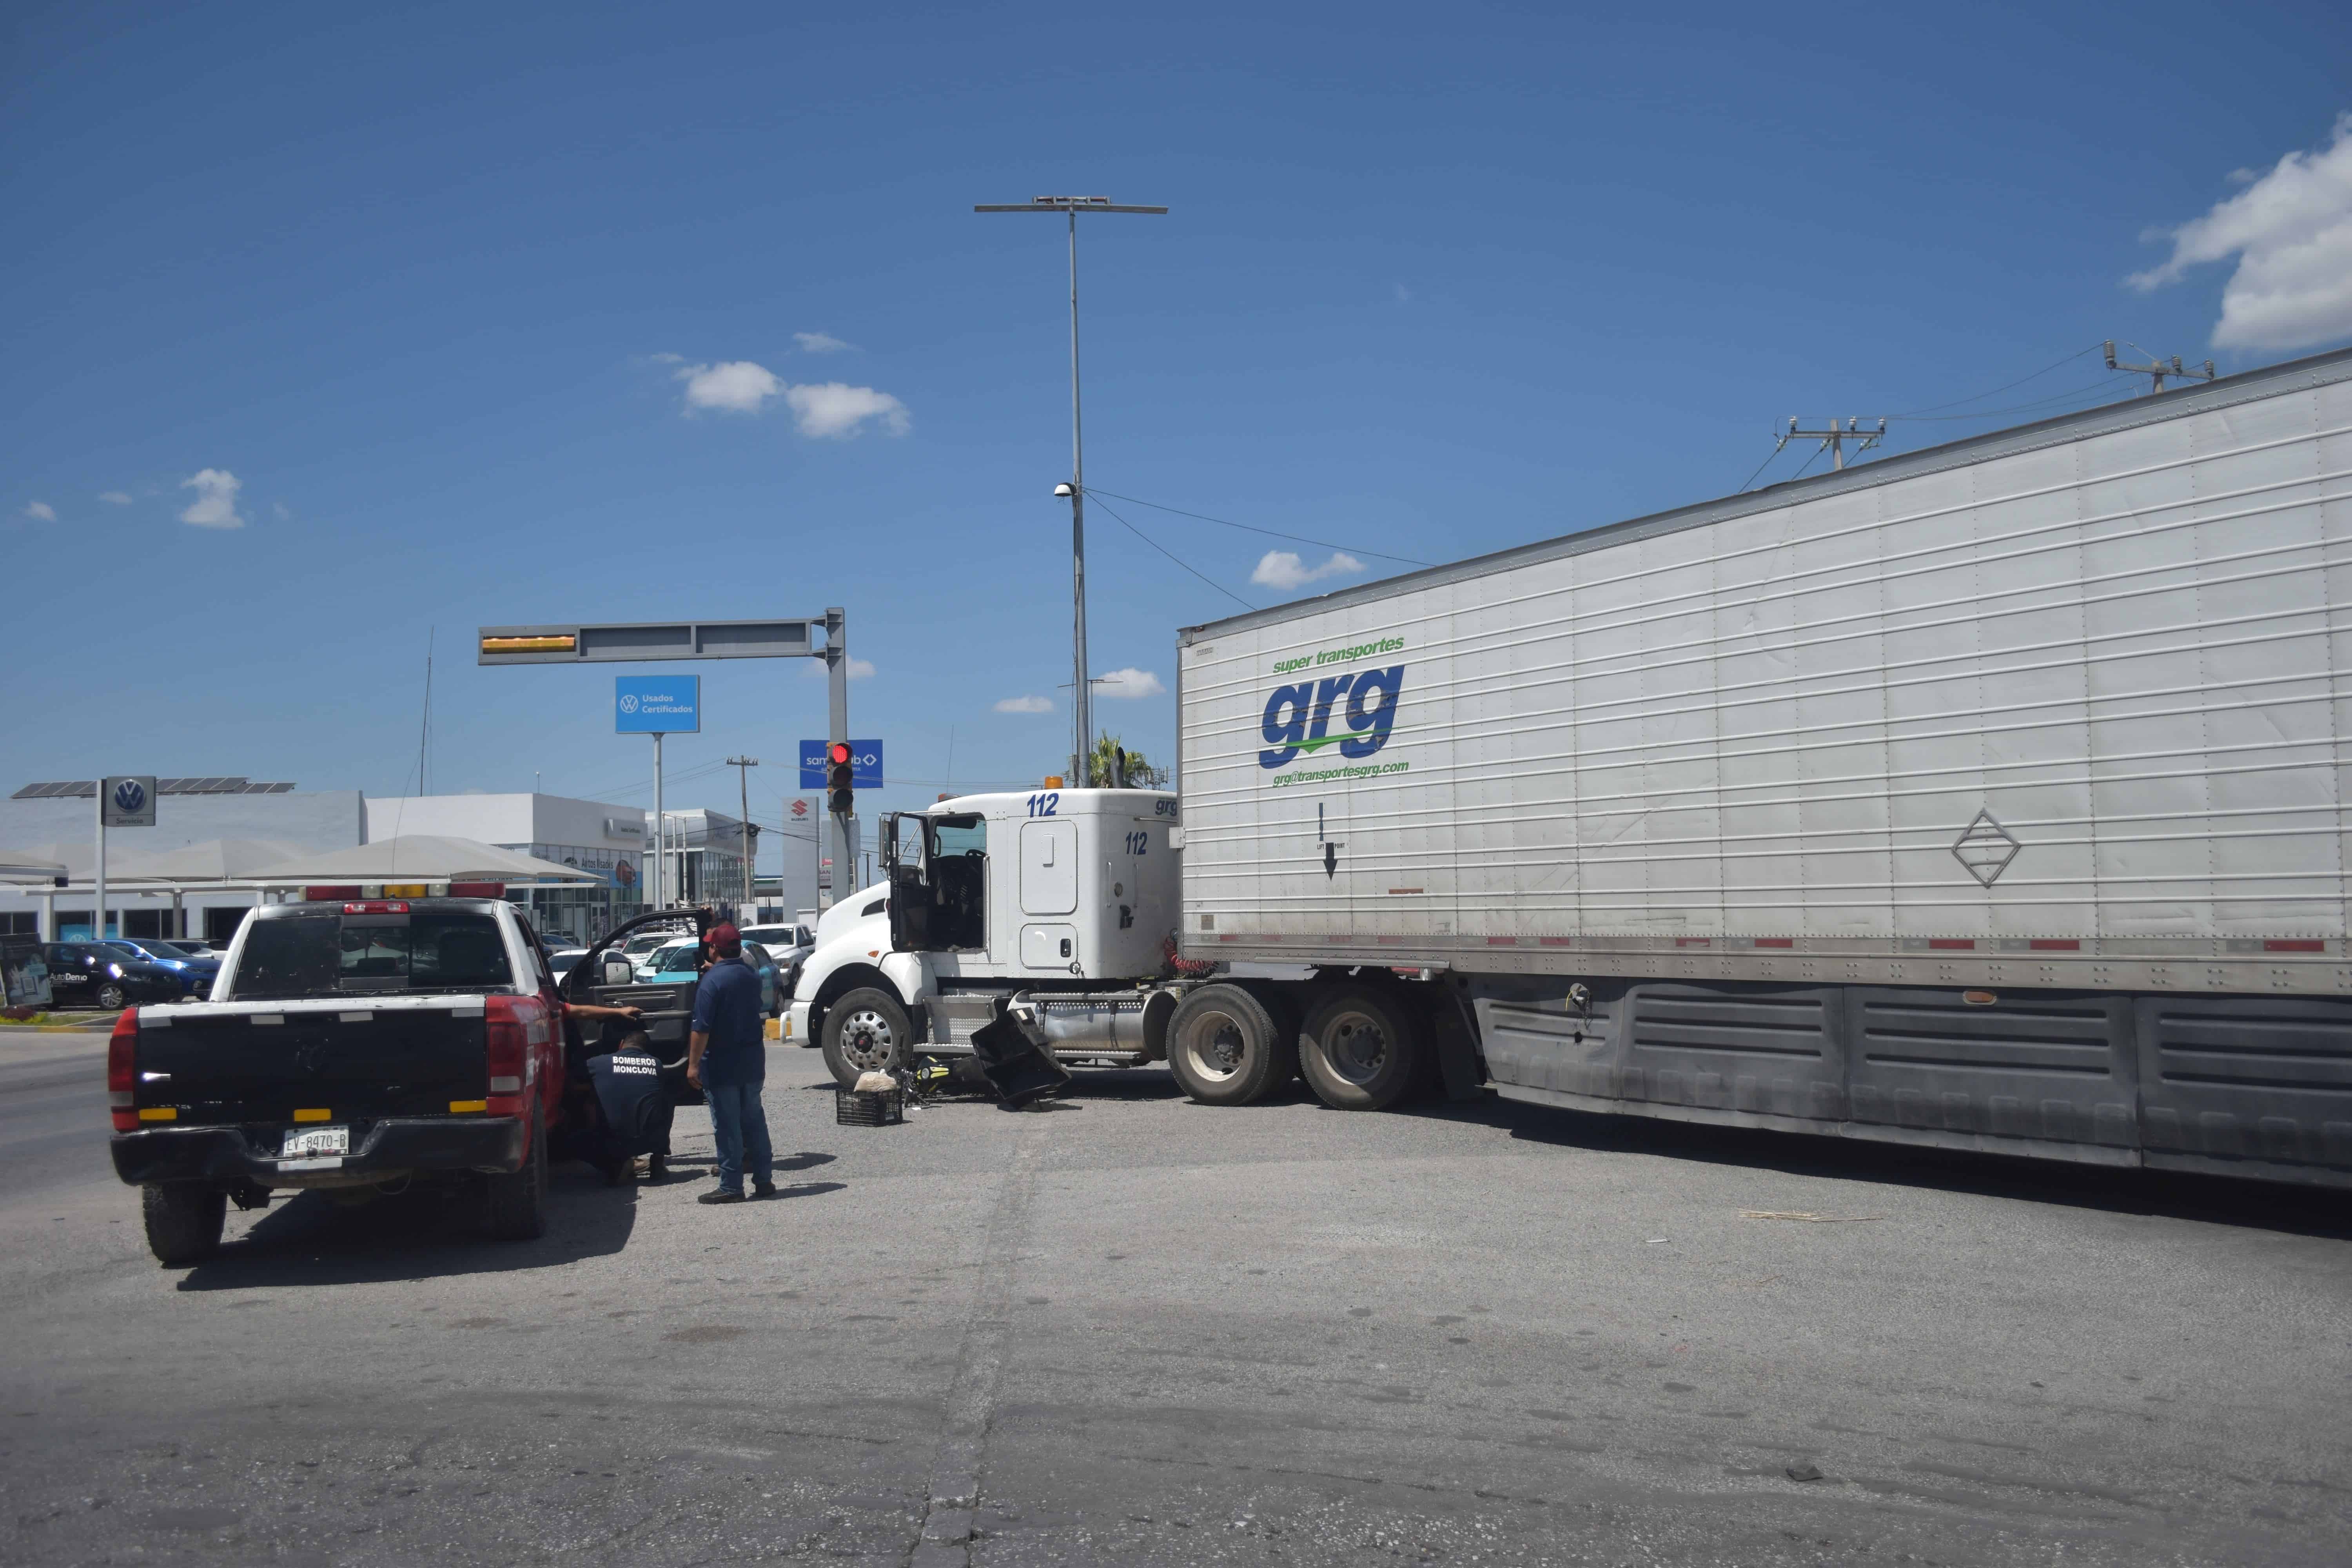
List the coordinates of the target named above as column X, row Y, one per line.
column 324, row 955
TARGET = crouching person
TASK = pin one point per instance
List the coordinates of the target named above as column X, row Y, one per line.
column 635, row 1110
column 727, row 1059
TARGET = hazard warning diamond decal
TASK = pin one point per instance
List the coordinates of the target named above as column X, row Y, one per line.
column 1985, row 849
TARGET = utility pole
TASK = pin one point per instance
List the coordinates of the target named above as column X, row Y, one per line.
column 2160, row 369
column 1082, row 704
column 743, row 766
column 1834, row 439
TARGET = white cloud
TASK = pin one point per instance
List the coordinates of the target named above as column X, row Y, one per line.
column 1403, row 295
column 819, row 343
column 42, row 509
column 666, row 358
column 1284, row 570
column 1128, row 683
column 215, row 503
column 736, row 387
column 285, row 513
column 115, row 498
column 859, row 670
column 1025, row 705
column 835, row 409
column 2290, row 230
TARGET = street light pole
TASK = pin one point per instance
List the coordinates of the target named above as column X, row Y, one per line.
column 1081, row 688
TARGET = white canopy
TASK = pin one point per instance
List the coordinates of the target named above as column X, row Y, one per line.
column 420, row 858
column 25, row 866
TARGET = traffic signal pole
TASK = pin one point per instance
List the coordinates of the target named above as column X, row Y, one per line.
column 836, row 670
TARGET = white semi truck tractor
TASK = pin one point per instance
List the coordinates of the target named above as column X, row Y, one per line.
column 1066, row 903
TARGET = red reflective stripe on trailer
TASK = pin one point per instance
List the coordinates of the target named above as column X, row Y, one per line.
column 2055, row 944
column 1502, row 942
column 1555, row 942
column 1694, row 942
column 2297, row 944
column 1776, row 941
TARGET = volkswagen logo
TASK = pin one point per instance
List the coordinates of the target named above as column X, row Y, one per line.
column 628, row 702
column 130, row 795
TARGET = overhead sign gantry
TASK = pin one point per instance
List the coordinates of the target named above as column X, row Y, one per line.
column 634, row 642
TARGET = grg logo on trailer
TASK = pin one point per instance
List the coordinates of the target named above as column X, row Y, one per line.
column 1355, row 711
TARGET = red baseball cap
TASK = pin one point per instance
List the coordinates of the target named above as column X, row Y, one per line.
column 724, row 939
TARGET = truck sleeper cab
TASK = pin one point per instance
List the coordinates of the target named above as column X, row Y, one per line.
column 1069, row 896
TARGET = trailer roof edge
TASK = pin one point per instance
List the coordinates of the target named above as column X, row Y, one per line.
column 2289, row 375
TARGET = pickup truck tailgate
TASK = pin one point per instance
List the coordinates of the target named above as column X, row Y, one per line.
column 356, row 1059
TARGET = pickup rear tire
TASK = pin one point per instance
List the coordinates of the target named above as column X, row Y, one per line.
column 1226, row 1048
column 1362, row 1050
column 514, row 1206
column 183, row 1222
column 866, row 1031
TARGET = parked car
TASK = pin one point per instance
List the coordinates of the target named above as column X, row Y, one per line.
column 201, row 968
column 99, row 975
column 680, row 960
column 560, row 962
column 789, row 944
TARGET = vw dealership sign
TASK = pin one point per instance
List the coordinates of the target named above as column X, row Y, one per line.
column 127, row 802
column 657, row 705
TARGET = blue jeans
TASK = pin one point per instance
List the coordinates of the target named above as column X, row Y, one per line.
column 740, row 1128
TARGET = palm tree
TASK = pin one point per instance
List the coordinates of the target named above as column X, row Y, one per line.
column 1103, row 767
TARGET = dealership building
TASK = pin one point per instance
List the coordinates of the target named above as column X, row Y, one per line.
column 249, row 822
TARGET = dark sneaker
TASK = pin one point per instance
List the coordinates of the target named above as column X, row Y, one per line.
column 722, row 1196
column 657, row 1168
column 763, row 1189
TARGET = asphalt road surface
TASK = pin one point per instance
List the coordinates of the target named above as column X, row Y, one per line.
column 1131, row 1329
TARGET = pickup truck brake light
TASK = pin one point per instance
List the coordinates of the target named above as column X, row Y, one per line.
column 377, row 907
column 122, row 1070
column 504, row 1043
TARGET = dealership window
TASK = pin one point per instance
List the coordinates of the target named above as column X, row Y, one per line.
column 221, row 924
column 19, row 922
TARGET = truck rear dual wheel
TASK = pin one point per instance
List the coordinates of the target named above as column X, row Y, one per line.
column 1226, row 1047
column 1362, row 1049
column 183, row 1222
column 866, row 1031
column 514, row 1206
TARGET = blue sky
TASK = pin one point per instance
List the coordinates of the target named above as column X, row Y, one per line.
column 433, row 287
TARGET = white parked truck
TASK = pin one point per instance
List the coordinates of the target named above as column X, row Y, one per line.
column 1991, row 796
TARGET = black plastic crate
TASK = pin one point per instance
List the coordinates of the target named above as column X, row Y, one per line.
column 873, row 1109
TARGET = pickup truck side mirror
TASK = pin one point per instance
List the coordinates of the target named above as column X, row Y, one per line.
column 619, row 970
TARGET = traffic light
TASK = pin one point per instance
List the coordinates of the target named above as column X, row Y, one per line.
column 837, row 777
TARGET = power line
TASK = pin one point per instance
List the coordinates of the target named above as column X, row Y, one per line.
column 1155, row 544
column 2105, row 383
column 2020, row 381
column 1248, row 527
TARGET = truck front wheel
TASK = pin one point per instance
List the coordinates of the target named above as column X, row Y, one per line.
column 1225, row 1049
column 866, row 1031
column 183, row 1222
column 515, row 1206
column 1362, row 1050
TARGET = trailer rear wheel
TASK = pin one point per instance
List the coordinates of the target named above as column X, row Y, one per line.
column 1362, row 1050
column 1225, row 1049
column 183, row 1222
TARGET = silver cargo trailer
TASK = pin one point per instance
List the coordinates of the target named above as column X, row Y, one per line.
column 1991, row 796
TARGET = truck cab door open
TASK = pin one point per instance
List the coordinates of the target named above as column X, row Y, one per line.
column 937, row 868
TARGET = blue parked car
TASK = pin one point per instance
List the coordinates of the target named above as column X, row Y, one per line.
column 199, row 969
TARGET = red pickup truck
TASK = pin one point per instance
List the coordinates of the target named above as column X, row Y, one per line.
column 366, row 1043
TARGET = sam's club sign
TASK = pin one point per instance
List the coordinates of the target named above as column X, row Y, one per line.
column 657, row 704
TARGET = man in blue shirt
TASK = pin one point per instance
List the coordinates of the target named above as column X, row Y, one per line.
column 727, row 1059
